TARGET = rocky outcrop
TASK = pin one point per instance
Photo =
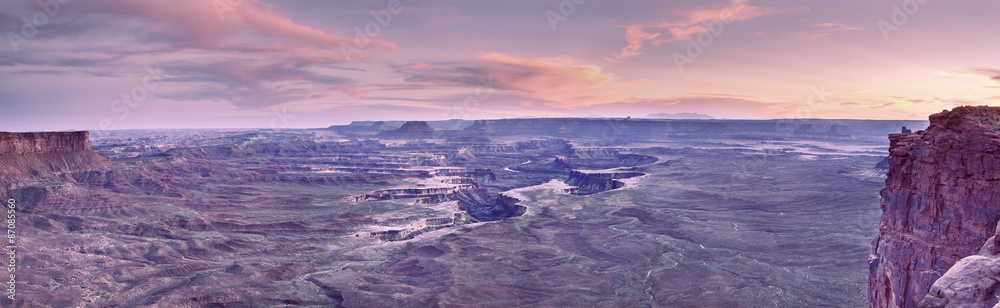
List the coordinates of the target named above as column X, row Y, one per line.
column 411, row 129
column 590, row 182
column 54, row 142
column 457, row 180
column 561, row 163
column 425, row 195
column 483, row 206
column 940, row 203
column 416, row 126
column 972, row 282
column 424, row 226
column 43, row 157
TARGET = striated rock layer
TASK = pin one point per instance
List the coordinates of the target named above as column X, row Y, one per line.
column 44, row 157
column 44, row 142
column 940, row 203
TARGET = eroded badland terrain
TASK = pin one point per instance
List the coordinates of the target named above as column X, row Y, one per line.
column 498, row 213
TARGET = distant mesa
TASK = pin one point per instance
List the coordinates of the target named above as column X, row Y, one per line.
column 377, row 126
column 404, row 129
column 410, row 129
column 380, row 125
column 616, row 130
column 842, row 131
column 805, row 130
column 680, row 116
column 364, row 128
column 637, row 130
column 415, row 126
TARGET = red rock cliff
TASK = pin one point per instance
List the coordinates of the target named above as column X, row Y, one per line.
column 44, row 157
column 940, row 203
column 44, row 142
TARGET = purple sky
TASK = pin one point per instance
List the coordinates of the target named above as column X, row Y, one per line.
column 298, row 64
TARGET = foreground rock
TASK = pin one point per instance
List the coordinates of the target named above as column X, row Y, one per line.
column 972, row 282
column 939, row 205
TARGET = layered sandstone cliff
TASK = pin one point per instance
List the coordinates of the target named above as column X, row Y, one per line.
column 44, row 142
column 940, row 204
column 27, row 158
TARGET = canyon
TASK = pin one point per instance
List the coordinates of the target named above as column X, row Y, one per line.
column 493, row 213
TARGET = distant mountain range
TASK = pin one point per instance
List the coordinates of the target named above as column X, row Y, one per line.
column 680, row 116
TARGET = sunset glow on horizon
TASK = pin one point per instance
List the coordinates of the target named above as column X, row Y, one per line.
column 127, row 64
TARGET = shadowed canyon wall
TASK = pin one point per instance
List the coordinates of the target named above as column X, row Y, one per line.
column 940, row 203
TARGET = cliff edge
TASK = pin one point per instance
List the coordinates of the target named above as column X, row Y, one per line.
column 941, row 202
column 20, row 143
column 44, row 157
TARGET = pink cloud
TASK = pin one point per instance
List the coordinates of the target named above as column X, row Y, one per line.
column 560, row 82
column 213, row 24
column 539, row 76
column 639, row 34
column 823, row 29
column 418, row 65
column 249, row 54
column 992, row 73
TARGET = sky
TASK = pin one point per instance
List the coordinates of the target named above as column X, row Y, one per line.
column 131, row 64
